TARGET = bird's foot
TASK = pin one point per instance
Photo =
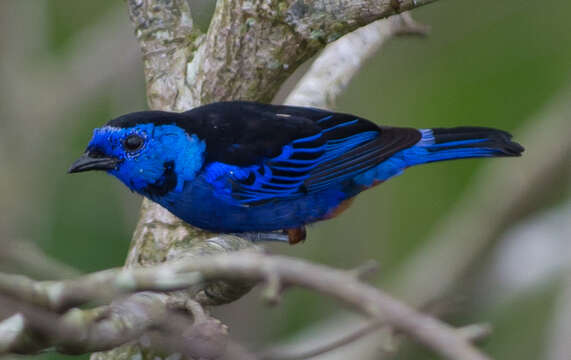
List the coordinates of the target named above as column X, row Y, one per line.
column 296, row 235
column 291, row 236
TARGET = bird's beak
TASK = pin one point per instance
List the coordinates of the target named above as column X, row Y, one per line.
column 87, row 162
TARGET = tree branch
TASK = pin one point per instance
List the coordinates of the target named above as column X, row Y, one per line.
column 280, row 354
column 25, row 256
column 145, row 317
column 331, row 72
column 327, row 20
column 254, row 267
column 282, row 34
column 78, row 331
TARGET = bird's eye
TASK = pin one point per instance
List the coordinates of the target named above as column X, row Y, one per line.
column 133, row 142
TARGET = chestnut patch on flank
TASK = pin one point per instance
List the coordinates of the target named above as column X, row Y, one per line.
column 339, row 209
column 296, row 235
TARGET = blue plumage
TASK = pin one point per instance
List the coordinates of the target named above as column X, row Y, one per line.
column 248, row 167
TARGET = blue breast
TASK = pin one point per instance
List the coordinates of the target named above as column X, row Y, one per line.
column 198, row 206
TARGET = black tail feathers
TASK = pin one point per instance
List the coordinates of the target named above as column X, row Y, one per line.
column 495, row 140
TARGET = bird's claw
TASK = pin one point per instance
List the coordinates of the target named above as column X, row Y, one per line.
column 291, row 236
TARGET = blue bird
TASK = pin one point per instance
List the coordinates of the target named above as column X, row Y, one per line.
column 244, row 167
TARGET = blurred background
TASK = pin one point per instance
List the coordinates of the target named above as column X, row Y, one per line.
column 473, row 240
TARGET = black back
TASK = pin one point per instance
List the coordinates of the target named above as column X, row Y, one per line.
column 245, row 133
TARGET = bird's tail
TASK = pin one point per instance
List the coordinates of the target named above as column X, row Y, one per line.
column 461, row 142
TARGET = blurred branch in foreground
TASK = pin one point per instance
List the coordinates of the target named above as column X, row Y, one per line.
column 275, row 272
column 26, row 258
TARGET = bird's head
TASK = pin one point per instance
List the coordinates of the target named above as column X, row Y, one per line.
column 147, row 151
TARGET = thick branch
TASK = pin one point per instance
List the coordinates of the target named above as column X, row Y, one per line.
column 78, row 331
column 147, row 317
column 167, row 40
column 281, row 34
column 327, row 20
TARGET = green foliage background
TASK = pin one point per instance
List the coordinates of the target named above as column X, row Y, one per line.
column 486, row 63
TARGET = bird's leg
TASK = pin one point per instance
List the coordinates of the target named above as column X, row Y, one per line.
column 265, row 236
column 291, row 236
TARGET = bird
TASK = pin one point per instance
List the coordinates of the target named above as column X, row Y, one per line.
column 268, row 170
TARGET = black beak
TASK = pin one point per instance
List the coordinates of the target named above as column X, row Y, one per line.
column 87, row 162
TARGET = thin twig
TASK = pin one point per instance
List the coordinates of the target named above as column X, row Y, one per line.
column 476, row 332
column 408, row 26
column 25, row 256
column 473, row 333
column 365, row 270
column 277, row 354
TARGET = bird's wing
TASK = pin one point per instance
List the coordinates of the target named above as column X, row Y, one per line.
column 316, row 149
column 353, row 147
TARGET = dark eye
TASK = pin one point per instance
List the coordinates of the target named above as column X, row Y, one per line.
column 133, row 142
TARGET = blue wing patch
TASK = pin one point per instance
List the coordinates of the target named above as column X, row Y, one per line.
column 342, row 149
column 279, row 177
